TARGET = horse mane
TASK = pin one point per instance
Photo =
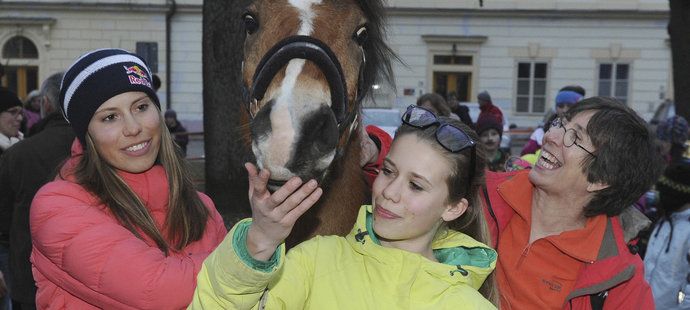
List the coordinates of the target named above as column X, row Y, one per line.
column 377, row 52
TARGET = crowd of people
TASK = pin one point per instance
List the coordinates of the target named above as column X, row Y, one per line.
column 98, row 209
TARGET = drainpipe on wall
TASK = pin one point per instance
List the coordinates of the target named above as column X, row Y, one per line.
column 172, row 8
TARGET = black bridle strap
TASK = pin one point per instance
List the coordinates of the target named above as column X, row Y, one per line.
column 308, row 48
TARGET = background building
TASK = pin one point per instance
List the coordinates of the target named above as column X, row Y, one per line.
column 522, row 52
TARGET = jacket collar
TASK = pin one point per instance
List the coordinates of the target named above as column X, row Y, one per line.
column 462, row 259
column 517, row 192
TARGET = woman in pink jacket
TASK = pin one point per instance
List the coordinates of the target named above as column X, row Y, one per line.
column 121, row 227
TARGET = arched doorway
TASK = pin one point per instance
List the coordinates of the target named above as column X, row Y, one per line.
column 21, row 76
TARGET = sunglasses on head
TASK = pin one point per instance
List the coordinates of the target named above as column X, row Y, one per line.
column 450, row 137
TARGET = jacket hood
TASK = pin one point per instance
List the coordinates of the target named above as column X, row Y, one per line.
column 462, row 259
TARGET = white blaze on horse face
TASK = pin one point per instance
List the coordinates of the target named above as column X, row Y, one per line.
column 293, row 103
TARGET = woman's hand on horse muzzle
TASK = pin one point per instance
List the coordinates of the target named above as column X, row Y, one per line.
column 274, row 214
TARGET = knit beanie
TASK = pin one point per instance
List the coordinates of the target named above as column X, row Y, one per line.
column 98, row 76
column 674, row 130
column 674, row 186
column 484, row 96
column 567, row 97
column 489, row 122
column 8, row 100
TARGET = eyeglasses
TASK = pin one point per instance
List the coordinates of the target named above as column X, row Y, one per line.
column 16, row 111
column 569, row 135
column 450, row 137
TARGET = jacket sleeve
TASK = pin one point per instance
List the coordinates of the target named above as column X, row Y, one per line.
column 86, row 252
column 231, row 279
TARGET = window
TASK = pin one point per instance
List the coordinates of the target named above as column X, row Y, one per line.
column 614, row 81
column 149, row 52
column 531, row 87
column 19, row 47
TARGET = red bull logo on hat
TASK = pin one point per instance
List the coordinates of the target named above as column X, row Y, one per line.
column 137, row 76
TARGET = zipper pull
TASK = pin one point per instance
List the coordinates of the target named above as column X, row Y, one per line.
column 681, row 297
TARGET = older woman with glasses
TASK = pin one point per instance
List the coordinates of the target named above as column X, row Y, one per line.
column 10, row 119
column 562, row 228
column 420, row 245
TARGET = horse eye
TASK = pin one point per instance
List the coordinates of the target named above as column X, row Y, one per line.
column 361, row 35
column 251, row 25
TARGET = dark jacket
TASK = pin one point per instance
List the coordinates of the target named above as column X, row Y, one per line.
column 24, row 168
column 180, row 135
column 463, row 112
column 618, row 272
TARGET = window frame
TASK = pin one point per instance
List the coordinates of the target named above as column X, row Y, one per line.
column 613, row 80
column 531, row 94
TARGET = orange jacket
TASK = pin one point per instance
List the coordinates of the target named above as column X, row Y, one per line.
column 617, row 272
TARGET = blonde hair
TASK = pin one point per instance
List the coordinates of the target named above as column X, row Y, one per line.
column 187, row 215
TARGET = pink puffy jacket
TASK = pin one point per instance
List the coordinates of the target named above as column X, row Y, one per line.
column 83, row 258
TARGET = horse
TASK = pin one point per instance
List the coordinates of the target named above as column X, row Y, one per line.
column 308, row 64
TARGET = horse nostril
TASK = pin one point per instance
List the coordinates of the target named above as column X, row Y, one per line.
column 322, row 130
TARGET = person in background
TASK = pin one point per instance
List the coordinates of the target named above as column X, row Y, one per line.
column 420, row 246
column 32, row 109
column 460, row 110
column 121, row 226
column 673, row 137
column 11, row 117
column 434, row 103
column 563, row 228
column 487, row 108
column 490, row 132
column 178, row 131
column 667, row 262
column 156, row 82
column 564, row 101
column 24, row 168
column 375, row 143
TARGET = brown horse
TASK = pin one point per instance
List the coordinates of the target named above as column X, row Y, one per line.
column 307, row 66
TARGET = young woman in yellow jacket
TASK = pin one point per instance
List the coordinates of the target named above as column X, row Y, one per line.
column 420, row 245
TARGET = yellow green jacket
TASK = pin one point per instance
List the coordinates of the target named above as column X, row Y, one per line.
column 353, row 272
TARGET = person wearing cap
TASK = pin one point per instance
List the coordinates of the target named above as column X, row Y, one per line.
column 487, row 108
column 10, row 119
column 490, row 132
column 24, row 168
column 563, row 229
column 667, row 261
column 564, row 101
column 121, row 226
column 177, row 130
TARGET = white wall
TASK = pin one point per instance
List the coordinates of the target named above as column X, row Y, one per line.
column 574, row 43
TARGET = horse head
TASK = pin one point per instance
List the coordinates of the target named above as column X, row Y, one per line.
column 307, row 66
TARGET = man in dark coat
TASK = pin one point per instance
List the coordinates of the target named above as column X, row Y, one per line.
column 24, row 168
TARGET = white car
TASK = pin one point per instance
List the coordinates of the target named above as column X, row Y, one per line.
column 386, row 119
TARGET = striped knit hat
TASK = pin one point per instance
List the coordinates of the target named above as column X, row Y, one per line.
column 98, row 76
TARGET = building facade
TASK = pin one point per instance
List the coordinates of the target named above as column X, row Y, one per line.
column 522, row 52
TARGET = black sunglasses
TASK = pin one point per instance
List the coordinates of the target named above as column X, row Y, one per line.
column 450, row 137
